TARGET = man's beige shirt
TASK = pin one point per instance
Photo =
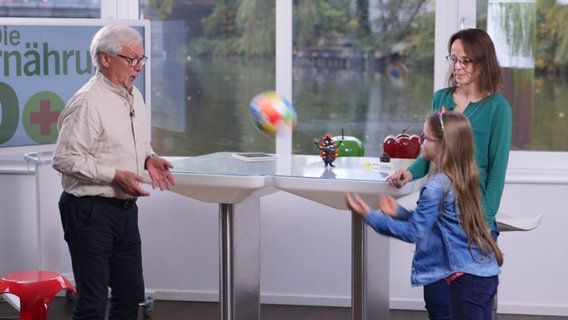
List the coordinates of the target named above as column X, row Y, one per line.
column 98, row 135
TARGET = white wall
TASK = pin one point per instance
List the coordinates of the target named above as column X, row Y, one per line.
column 18, row 223
column 534, row 279
column 305, row 249
column 180, row 243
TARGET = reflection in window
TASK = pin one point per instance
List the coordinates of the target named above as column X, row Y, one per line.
column 51, row 8
column 532, row 47
column 362, row 66
column 209, row 59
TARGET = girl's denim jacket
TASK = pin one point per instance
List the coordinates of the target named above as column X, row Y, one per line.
column 441, row 242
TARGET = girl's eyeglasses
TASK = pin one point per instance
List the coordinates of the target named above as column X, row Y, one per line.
column 423, row 138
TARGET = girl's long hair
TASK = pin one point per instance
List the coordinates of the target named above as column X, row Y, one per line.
column 456, row 158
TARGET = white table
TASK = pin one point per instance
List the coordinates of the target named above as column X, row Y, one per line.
column 370, row 251
column 236, row 185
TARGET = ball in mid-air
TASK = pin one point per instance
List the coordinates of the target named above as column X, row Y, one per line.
column 270, row 112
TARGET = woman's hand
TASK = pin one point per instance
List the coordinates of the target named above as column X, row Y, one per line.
column 399, row 178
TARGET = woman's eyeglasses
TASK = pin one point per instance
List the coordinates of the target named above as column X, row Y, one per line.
column 424, row 137
column 452, row 60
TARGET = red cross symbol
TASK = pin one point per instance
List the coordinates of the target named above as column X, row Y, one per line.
column 45, row 117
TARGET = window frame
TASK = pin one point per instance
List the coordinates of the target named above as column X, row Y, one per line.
column 124, row 9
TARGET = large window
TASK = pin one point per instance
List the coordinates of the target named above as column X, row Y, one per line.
column 352, row 70
column 361, row 67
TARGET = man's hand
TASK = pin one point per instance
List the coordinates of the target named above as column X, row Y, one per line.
column 159, row 170
column 129, row 183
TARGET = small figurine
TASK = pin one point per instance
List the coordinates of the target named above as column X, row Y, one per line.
column 328, row 149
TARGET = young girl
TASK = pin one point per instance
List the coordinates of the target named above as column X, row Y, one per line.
column 473, row 85
column 453, row 241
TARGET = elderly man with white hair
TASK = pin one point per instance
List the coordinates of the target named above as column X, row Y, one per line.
column 102, row 151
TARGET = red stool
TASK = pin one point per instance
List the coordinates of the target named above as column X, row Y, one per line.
column 36, row 290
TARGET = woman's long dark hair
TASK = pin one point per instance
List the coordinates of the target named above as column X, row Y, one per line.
column 479, row 47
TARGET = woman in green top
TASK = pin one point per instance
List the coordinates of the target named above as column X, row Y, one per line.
column 474, row 79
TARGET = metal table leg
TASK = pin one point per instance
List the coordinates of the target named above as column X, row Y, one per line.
column 369, row 272
column 239, row 278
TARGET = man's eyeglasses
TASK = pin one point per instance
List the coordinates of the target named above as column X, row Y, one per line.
column 133, row 62
column 452, row 60
column 423, row 138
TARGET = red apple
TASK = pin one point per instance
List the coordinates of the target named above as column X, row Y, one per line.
column 390, row 147
column 404, row 147
column 414, row 145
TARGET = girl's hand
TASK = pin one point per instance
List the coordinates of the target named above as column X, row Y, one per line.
column 388, row 205
column 356, row 205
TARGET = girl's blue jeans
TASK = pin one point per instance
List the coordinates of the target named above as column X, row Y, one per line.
column 471, row 297
column 436, row 295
